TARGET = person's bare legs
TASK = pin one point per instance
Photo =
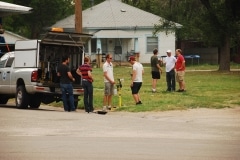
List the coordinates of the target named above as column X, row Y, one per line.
column 135, row 97
column 105, row 102
column 109, row 100
column 105, row 98
column 182, row 85
column 154, row 84
column 138, row 97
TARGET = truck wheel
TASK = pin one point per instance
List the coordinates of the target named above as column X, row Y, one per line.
column 35, row 101
column 21, row 98
column 3, row 99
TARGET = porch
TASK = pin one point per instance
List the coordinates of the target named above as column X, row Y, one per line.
column 118, row 59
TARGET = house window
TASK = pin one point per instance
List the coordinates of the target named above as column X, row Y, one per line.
column 104, row 46
column 93, row 45
column 152, row 42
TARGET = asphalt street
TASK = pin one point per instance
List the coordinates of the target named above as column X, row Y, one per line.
column 50, row 133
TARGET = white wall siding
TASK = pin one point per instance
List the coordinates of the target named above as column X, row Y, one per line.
column 166, row 42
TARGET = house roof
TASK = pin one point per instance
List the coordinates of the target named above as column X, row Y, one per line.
column 11, row 37
column 9, row 8
column 112, row 14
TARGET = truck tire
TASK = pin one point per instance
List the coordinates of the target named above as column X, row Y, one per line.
column 35, row 101
column 3, row 99
column 21, row 98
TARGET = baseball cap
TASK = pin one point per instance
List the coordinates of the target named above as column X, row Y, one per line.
column 169, row 51
column 131, row 58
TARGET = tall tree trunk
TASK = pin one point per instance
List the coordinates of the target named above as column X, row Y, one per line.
column 224, row 64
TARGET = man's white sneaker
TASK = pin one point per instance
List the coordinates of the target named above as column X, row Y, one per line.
column 104, row 108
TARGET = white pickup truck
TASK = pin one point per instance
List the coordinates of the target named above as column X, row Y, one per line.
column 29, row 74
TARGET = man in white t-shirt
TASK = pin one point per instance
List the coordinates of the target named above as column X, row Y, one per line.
column 108, row 82
column 136, row 83
column 170, row 71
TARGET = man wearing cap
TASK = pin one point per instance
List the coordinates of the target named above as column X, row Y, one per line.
column 136, row 83
column 170, row 71
column 156, row 69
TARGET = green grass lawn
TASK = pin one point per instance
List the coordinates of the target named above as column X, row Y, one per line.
column 205, row 89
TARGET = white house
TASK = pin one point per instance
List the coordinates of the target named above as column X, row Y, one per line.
column 121, row 29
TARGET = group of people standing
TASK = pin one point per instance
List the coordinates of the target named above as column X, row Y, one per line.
column 66, row 79
column 136, row 81
column 85, row 71
column 175, row 69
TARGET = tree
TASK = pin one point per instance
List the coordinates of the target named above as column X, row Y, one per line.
column 216, row 22
column 224, row 17
column 45, row 13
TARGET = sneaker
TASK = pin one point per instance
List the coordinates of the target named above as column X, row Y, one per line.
column 154, row 90
column 104, row 108
column 138, row 103
column 181, row 90
column 109, row 107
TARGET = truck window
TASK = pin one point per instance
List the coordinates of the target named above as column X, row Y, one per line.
column 9, row 62
column 3, row 60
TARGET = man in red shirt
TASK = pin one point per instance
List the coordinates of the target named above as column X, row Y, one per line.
column 180, row 69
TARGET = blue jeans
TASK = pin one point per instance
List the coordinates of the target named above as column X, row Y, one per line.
column 88, row 95
column 67, row 97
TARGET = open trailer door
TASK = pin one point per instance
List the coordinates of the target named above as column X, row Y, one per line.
column 66, row 38
column 56, row 44
column 73, row 44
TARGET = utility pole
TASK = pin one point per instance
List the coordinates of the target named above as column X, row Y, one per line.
column 78, row 16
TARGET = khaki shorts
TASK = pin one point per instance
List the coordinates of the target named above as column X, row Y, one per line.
column 108, row 89
column 180, row 76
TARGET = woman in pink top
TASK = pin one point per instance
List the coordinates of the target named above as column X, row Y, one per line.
column 180, row 69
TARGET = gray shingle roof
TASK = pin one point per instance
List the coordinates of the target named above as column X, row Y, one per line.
column 112, row 14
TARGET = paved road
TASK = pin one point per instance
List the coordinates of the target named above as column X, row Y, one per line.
column 49, row 133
